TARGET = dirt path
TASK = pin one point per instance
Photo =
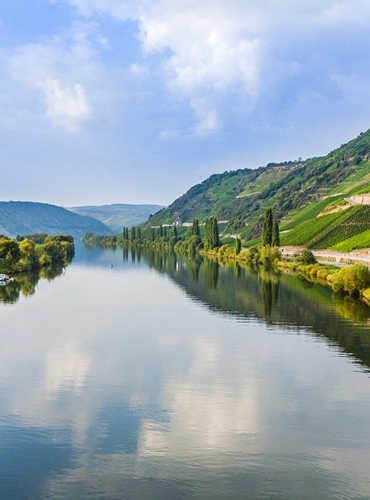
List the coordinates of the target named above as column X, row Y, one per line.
column 355, row 257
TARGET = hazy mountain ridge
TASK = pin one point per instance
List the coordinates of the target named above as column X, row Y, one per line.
column 118, row 215
column 27, row 217
column 242, row 196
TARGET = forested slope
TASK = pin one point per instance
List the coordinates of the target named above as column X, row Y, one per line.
column 296, row 191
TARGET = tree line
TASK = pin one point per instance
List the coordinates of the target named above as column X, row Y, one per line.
column 35, row 251
column 164, row 237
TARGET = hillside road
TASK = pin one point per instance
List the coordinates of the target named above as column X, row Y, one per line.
column 331, row 256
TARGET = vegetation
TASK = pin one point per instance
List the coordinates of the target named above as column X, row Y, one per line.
column 295, row 191
column 20, row 217
column 352, row 280
column 36, row 251
column 329, row 230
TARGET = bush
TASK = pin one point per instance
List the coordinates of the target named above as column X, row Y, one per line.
column 352, row 280
column 307, row 257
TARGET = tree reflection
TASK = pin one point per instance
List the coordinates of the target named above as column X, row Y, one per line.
column 274, row 298
column 25, row 283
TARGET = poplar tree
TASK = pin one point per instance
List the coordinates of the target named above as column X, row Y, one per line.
column 275, row 234
column 212, row 238
column 267, row 228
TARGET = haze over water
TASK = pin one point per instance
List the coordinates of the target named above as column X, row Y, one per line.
column 160, row 378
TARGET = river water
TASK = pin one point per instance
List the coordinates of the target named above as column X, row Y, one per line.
column 132, row 376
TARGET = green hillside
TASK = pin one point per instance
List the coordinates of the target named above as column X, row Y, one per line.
column 331, row 230
column 118, row 215
column 297, row 191
column 24, row 217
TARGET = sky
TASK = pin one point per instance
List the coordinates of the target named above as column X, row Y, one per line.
column 135, row 101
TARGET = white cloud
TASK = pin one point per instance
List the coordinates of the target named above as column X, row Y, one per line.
column 66, row 106
column 239, row 51
column 65, row 68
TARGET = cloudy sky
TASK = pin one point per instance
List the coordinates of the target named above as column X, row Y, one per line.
column 135, row 101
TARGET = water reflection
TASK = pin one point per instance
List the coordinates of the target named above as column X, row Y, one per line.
column 272, row 297
column 25, row 283
column 122, row 382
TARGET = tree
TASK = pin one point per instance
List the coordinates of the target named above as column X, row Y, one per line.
column 194, row 229
column 28, row 253
column 9, row 252
column 212, row 238
column 238, row 246
column 352, row 280
column 275, row 234
column 307, row 257
column 267, row 228
column 133, row 233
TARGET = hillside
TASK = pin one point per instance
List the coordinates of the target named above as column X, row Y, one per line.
column 118, row 215
column 297, row 191
column 25, row 217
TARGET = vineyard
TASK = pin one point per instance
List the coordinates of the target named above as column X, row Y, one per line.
column 361, row 240
column 330, row 230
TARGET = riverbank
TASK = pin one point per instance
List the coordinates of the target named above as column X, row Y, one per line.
column 343, row 273
column 331, row 256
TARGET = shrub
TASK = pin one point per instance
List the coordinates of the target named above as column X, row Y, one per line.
column 307, row 257
column 352, row 280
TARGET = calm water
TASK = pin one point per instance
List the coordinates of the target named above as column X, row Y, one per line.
column 166, row 379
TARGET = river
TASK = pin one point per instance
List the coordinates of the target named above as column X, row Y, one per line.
column 145, row 376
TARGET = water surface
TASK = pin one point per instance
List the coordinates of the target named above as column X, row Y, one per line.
column 161, row 378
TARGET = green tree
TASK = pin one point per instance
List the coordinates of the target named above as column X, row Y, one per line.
column 133, row 233
column 275, row 234
column 267, row 228
column 352, row 280
column 29, row 255
column 212, row 238
column 238, row 246
column 194, row 229
column 9, row 253
column 307, row 257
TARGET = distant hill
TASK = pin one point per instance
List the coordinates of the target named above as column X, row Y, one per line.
column 25, row 217
column 296, row 191
column 118, row 215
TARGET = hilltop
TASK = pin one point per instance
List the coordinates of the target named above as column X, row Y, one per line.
column 26, row 217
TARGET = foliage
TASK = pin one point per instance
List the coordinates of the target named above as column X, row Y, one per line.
column 211, row 239
column 26, row 255
column 266, row 256
column 267, row 228
column 352, row 280
column 275, row 234
column 307, row 257
column 237, row 246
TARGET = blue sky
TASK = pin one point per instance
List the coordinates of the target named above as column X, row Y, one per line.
column 135, row 101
